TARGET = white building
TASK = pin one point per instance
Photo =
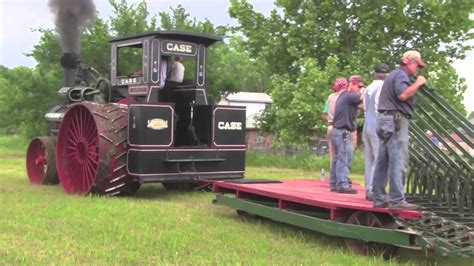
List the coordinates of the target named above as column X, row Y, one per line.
column 255, row 103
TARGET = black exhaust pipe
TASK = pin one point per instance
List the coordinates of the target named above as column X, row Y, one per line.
column 70, row 63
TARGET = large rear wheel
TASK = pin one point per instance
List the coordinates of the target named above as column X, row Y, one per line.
column 91, row 150
column 41, row 161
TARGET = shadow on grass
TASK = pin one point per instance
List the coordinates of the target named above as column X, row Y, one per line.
column 309, row 236
column 158, row 192
column 154, row 191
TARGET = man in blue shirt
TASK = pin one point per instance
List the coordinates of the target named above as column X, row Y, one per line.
column 369, row 135
column 341, row 135
column 396, row 106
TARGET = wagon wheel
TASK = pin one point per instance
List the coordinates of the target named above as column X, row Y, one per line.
column 91, row 150
column 369, row 219
column 41, row 161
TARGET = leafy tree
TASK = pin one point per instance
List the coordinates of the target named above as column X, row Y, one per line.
column 25, row 96
column 130, row 19
column 231, row 69
column 21, row 88
column 298, row 103
column 360, row 34
column 7, row 121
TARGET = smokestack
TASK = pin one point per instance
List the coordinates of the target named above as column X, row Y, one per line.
column 70, row 61
column 71, row 18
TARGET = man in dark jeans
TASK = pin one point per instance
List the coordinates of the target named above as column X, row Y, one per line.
column 396, row 106
column 341, row 134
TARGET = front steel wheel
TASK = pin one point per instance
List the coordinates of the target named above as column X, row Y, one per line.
column 41, row 161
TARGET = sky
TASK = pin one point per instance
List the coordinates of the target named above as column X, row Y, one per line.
column 19, row 17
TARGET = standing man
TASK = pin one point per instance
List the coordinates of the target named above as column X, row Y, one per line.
column 177, row 72
column 396, row 106
column 174, row 76
column 339, row 86
column 369, row 135
column 341, row 134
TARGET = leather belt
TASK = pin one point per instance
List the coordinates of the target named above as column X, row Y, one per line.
column 343, row 129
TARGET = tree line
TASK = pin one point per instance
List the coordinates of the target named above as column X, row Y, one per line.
column 293, row 54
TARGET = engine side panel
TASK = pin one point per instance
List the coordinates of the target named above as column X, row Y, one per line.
column 229, row 126
column 151, row 125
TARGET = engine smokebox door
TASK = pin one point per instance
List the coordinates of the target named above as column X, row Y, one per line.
column 229, row 126
column 150, row 125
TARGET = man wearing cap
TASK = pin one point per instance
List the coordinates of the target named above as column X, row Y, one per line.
column 341, row 135
column 396, row 107
column 369, row 135
column 338, row 87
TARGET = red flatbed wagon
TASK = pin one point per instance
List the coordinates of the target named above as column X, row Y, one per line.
column 309, row 204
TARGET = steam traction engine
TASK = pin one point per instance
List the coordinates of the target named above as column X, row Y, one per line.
column 110, row 138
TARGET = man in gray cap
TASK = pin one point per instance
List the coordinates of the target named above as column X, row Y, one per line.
column 369, row 135
column 396, row 107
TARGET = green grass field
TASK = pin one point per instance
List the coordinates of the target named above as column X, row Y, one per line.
column 43, row 225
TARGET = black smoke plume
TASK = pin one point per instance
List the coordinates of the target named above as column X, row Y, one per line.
column 71, row 18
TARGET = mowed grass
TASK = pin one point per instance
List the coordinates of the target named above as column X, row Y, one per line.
column 43, row 225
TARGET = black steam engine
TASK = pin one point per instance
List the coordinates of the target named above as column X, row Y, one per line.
column 139, row 127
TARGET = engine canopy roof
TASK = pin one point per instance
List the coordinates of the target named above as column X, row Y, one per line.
column 193, row 37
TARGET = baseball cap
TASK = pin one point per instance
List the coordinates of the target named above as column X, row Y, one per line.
column 413, row 55
column 357, row 80
column 340, row 83
column 382, row 68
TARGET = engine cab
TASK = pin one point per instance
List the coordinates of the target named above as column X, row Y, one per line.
column 174, row 134
column 137, row 61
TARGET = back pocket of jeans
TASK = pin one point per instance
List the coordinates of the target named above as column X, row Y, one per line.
column 385, row 127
